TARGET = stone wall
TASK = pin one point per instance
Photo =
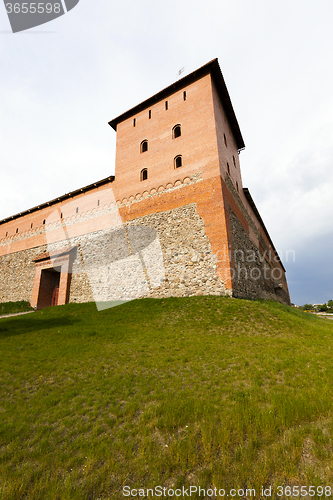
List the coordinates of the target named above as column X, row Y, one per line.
column 188, row 264
column 17, row 271
column 187, row 258
column 255, row 275
column 116, row 265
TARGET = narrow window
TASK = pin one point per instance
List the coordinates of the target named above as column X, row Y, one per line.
column 44, row 221
column 225, row 141
column 176, row 131
column 98, row 203
column 144, row 146
column 166, row 105
column 233, row 159
column 184, row 95
column 228, row 168
column 149, row 114
column 61, row 215
column 144, row 174
column 134, row 122
column 237, row 186
column 6, row 233
column 16, row 230
column 77, row 210
column 178, row 161
column 31, row 225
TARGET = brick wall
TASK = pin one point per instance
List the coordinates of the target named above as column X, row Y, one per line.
column 190, row 264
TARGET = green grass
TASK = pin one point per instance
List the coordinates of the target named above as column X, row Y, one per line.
column 207, row 391
column 14, row 307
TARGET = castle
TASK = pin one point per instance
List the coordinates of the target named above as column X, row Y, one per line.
column 175, row 219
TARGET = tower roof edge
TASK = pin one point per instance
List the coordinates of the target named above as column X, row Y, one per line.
column 213, row 68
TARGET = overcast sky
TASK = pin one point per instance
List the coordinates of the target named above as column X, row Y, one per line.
column 61, row 83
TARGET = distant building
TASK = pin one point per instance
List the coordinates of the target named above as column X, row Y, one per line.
column 177, row 174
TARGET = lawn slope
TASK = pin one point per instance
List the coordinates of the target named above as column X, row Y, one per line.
column 207, row 391
column 14, row 307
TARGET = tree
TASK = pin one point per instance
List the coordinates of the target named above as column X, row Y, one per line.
column 307, row 307
column 330, row 304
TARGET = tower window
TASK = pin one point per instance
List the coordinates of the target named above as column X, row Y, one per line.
column 176, row 131
column 44, row 221
column 134, row 122
column 228, row 168
column 98, row 203
column 225, row 141
column 144, row 174
column 31, row 225
column 6, row 233
column 144, row 146
column 77, row 210
column 166, row 105
column 184, row 95
column 17, row 230
column 237, row 186
column 178, row 161
column 233, row 159
column 149, row 114
column 61, row 215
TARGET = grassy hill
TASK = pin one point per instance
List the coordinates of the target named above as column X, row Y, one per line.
column 207, row 391
column 14, row 307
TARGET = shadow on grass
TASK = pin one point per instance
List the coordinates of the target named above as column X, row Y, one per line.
column 19, row 325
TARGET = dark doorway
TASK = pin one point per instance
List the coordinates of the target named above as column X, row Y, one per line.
column 49, row 288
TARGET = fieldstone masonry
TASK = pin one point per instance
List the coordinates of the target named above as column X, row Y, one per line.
column 17, row 271
column 188, row 265
column 254, row 275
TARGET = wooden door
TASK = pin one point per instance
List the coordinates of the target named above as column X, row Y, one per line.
column 55, row 295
